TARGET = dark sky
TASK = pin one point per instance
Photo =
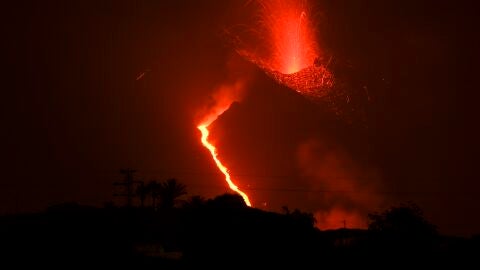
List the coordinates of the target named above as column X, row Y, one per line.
column 73, row 113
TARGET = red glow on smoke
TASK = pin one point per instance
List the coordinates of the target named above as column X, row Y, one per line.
column 348, row 189
column 336, row 218
column 224, row 97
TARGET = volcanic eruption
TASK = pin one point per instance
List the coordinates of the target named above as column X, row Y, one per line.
column 285, row 47
column 289, row 52
column 293, row 58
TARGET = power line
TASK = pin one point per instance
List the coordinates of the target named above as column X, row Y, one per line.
column 128, row 184
column 307, row 190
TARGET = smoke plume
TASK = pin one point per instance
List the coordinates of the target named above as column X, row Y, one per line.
column 343, row 190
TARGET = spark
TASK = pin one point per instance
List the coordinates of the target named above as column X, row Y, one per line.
column 290, row 34
column 292, row 56
column 141, row 75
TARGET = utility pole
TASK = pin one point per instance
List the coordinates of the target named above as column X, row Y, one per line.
column 128, row 184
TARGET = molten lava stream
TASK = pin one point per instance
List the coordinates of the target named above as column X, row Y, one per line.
column 213, row 151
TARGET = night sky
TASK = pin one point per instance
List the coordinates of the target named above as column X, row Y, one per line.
column 73, row 113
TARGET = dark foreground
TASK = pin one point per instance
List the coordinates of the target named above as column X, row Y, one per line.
column 214, row 235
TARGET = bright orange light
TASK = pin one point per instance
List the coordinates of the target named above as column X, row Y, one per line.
column 213, row 151
column 285, row 47
column 291, row 35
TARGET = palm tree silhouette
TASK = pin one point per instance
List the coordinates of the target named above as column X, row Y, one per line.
column 142, row 193
column 153, row 189
column 195, row 202
column 170, row 191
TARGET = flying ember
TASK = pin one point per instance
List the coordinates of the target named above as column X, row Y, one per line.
column 292, row 55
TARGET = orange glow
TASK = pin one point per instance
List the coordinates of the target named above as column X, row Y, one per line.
column 285, row 47
column 291, row 35
column 203, row 127
column 337, row 217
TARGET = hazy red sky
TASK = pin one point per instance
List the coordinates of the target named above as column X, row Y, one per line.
column 73, row 114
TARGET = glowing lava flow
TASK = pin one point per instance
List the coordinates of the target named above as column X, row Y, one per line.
column 213, row 151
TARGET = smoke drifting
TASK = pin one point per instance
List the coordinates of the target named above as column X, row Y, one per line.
column 74, row 112
column 222, row 99
column 231, row 88
column 344, row 191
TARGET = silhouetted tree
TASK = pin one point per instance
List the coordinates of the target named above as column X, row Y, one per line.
column 403, row 226
column 195, row 202
column 142, row 193
column 304, row 218
column 170, row 191
column 228, row 200
column 406, row 218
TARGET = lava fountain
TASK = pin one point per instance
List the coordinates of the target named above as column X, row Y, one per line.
column 290, row 35
column 291, row 53
column 223, row 103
